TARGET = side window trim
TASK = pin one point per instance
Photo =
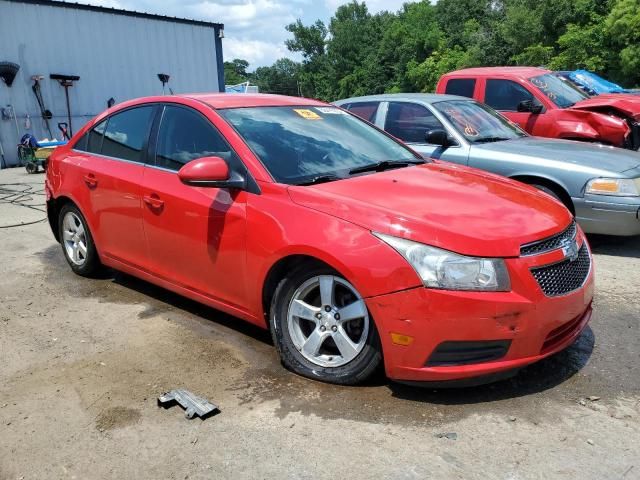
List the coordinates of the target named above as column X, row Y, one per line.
column 145, row 144
column 235, row 162
column 427, row 108
column 521, row 85
column 155, row 135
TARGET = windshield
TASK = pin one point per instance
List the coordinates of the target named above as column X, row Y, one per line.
column 477, row 122
column 558, row 91
column 298, row 144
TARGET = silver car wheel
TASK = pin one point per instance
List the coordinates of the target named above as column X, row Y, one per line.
column 328, row 321
column 74, row 238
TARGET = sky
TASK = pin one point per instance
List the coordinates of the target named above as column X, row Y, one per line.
column 254, row 29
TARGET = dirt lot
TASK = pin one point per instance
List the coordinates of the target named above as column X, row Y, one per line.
column 83, row 361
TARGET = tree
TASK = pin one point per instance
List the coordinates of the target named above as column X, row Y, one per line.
column 281, row 77
column 622, row 27
column 235, row 71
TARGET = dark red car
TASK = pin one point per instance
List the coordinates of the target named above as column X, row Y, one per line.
column 301, row 218
column 546, row 106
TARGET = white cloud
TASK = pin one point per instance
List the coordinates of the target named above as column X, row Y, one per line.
column 254, row 29
column 374, row 6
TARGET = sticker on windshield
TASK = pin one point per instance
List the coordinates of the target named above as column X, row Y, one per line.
column 307, row 114
column 331, row 110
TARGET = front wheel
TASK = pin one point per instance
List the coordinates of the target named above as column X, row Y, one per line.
column 322, row 328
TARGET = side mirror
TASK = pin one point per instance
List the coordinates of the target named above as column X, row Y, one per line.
column 210, row 172
column 437, row 137
column 529, row 106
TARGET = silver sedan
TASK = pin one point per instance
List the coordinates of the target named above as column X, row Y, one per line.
column 598, row 183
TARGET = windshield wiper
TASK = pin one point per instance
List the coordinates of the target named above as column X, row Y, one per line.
column 490, row 139
column 385, row 165
column 319, row 179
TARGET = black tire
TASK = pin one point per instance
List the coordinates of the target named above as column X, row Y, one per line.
column 554, row 194
column 91, row 264
column 354, row 372
column 31, row 167
column 548, row 191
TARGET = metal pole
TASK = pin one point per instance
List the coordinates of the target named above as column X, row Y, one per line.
column 3, row 163
column 66, row 93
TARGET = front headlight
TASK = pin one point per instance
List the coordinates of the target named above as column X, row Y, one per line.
column 447, row 270
column 620, row 187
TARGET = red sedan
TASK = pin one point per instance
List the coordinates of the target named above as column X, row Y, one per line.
column 306, row 220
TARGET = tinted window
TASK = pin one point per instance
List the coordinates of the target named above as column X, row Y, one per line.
column 126, row 134
column 409, row 121
column 92, row 140
column 461, row 86
column 186, row 135
column 477, row 122
column 366, row 110
column 297, row 144
column 505, row 95
column 559, row 92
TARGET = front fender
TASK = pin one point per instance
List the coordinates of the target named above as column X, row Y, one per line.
column 278, row 228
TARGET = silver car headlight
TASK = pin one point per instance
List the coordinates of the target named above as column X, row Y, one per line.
column 620, row 187
column 450, row 271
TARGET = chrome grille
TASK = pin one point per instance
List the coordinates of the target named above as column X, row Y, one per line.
column 564, row 277
column 551, row 243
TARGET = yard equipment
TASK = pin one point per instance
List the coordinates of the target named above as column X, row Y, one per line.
column 164, row 78
column 33, row 154
column 46, row 114
column 8, row 71
column 64, row 129
column 66, row 81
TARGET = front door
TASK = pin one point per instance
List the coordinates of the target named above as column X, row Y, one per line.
column 504, row 96
column 195, row 235
column 410, row 123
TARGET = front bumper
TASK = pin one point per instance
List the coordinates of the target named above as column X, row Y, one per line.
column 536, row 325
column 608, row 215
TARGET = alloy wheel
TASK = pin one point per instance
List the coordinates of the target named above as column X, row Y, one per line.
column 328, row 321
column 74, row 238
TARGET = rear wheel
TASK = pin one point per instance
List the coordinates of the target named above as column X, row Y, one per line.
column 322, row 328
column 77, row 242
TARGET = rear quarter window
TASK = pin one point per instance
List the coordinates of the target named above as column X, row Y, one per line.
column 365, row 110
column 461, row 86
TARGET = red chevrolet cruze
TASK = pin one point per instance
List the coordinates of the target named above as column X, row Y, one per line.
column 301, row 218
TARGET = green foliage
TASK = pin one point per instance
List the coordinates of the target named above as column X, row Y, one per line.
column 235, row 71
column 623, row 29
column 359, row 53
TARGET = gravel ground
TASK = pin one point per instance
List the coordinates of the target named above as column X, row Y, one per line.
column 83, row 361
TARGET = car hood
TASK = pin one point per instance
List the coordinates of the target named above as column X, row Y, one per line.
column 627, row 104
column 448, row 206
column 600, row 158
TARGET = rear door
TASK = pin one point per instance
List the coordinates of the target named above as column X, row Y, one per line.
column 112, row 174
column 410, row 122
column 195, row 235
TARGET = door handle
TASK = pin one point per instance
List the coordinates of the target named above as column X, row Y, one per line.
column 90, row 180
column 153, row 201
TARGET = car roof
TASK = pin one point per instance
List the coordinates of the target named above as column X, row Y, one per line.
column 523, row 72
column 237, row 100
column 407, row 97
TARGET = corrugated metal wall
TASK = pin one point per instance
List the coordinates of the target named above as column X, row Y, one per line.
column 115, row 55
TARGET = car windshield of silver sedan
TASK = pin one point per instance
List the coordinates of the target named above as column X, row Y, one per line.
column 558, row 91
column 477, row 122
column 308, row 144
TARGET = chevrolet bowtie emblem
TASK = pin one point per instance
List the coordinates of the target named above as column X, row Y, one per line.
column 570, row 249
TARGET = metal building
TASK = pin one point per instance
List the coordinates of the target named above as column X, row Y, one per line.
column 116, row 53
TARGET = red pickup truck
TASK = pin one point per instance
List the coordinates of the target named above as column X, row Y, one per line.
column 546, row 106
